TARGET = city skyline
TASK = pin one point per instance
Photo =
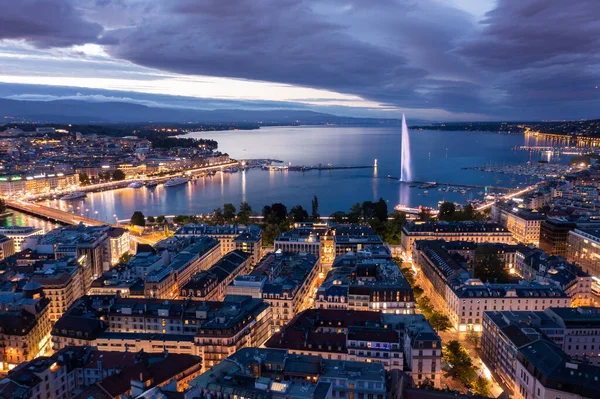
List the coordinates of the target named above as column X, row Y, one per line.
column 457, row 60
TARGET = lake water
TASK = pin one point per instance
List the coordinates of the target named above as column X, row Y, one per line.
column 436, row 156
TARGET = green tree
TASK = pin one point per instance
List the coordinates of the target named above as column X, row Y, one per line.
column 218, row 216
column 338, row 217
column 408, row 275
column 229, row 212
column 440, row 322
column 425, row 306
column 425, row 214
column 447, row 210
column 298, row 214
column 84, row 179
column 482, row 387
column 427, row 384
column 125, row 258
column 355, row 213
column 315, row 209
column 417, row 291
column 137, row 219
column 161, row 219
column 150, row 219
column 244, row 213
column 118, row 175
column 280, row 212
column 474, row 338
column 271, row 231
column 461, row 365
column 488, row 266
column 469, row 213
column 380, row 210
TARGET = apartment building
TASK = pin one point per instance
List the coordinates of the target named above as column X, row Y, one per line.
column 287, row 282
column 24, row 325
column 231, row 237
column 212, row 283
column 209, row 329
column 256, row 372
column 402, row 342
column 88, row 243
column 465, row 299
column 326, row 240
column 363, row 281
column 7, row 247
column 533, row 264
column 574, row 330
column 544, row 371
column 524, row 224
column 85, row 372
column 18, row 234
column 583, row 248
column 20, row 185
column 166, row 282
column 478, row 232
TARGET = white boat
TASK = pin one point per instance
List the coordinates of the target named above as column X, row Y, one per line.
column 136, row 184
column 176, row 182
column 152, row 184
column 74, row 195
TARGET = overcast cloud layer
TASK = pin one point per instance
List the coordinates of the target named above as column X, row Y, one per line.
column 526, row 59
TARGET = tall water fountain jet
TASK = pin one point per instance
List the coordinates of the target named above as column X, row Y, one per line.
column 405, row 170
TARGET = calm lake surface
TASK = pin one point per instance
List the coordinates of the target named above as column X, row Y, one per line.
column 436, row 156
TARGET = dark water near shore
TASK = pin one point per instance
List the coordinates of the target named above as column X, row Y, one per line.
column 436, row 156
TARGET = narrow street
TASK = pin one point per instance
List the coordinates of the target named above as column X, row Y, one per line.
column 453, row 334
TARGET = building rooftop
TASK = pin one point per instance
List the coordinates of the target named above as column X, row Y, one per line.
column 454, row 227
column 555, row 370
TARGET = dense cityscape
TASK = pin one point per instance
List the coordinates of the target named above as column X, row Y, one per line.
column 267, row 199
column 471, row 299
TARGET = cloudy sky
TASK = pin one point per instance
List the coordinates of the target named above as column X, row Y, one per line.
column 433, row 59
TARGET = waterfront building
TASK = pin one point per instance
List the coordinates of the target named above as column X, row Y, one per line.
column 232, row 237
column 402, row 342
column 362, row 281
column 24, row 325
column 7, row 247
column 19, row 234
column 286, row 281
column 276, row 373
column 212, row 283
column 584, row 250
column 209, row 329
column 478, row 232
column 84, row 372
column 464, row 299
column 199, row 254
column 19, row 185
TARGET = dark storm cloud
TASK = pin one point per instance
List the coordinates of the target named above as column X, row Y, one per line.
column 536, row 33
column 527, row 56
column 544, row 55
column 46, row 23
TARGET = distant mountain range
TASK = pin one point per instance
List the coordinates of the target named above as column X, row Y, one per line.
column 83, row 112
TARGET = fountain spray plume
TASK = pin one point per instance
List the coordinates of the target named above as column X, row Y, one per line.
column 405, row 170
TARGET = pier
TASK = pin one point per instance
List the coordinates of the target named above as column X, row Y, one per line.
column 430, row 184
